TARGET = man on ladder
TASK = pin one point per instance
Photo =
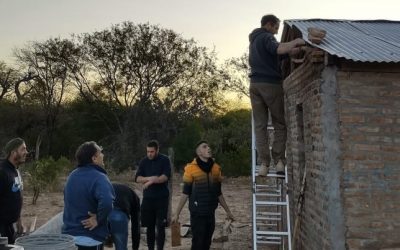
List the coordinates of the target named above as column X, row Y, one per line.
column 271, row 213
column 266, row 92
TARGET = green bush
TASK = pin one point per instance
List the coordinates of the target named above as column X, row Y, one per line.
column 45, row 173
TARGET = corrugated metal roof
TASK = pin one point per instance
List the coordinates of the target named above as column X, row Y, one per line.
column 365, row 41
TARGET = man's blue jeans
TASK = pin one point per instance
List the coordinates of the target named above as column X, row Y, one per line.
column 119, row 221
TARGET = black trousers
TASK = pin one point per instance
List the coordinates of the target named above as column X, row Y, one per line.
column 98, row 247
column 7, row 230
column 202, row 230
column 154, row 214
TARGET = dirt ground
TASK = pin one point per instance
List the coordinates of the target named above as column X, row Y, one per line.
column 237, row 192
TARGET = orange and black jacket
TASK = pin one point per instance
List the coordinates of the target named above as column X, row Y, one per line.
column 203, row 186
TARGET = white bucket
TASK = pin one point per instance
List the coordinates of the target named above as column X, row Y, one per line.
column 47, row 242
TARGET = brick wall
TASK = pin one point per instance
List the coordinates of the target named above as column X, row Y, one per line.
column 369, row 113
column 344, row 128
column 303, row 108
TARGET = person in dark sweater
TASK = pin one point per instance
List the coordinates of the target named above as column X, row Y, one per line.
column 11, row 188
column 202, row 186
column 88, row 199
column 126, row 206
column 154, row 172
column 266, row 92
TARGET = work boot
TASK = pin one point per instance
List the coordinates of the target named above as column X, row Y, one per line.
column 280, row 168
column 263, row 170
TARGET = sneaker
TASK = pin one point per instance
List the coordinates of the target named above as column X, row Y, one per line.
column 280, row 168
column 263, row 171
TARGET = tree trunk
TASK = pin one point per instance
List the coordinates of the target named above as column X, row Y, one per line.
column 36, row 191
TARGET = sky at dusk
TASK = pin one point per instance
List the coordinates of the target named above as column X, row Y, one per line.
column 220, row 24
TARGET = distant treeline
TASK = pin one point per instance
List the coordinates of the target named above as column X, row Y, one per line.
column 122, row 87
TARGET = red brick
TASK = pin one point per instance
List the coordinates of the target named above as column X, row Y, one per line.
column 391, row 148
column 367, row 147
column 380, row 120
column 369, row 129
column 388, row 93
column 352, row 118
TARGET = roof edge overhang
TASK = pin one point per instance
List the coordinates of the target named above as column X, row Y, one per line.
column 294, row 28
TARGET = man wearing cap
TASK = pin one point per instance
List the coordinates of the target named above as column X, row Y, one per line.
column 11, row 187
column 202, row 185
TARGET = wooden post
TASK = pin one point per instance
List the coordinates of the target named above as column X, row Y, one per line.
column 170, row 186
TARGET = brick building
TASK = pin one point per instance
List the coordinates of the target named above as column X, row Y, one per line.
column 343, row 116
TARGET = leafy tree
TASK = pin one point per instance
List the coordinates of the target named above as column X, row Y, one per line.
column 44, row 173
column 185, row 141
column 148, row 78
column 230, row 138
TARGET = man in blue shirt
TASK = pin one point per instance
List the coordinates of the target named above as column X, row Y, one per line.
column 88, row 199
column 154, row 172
column 266, row 92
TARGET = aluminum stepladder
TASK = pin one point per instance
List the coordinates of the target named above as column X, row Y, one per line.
column 271, row 212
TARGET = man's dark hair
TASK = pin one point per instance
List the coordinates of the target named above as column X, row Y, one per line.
column 198, row 144
column 12, row 145
column 153, row 144
column 85, row 152
column 269, row 19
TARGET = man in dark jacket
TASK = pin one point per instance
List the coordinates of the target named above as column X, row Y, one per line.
column 126, row 206
column 154, row 172
column 202, row 185
column 10, row 188
column 88, row 199
column 266, row 92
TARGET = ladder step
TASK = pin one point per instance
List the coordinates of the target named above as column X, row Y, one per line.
column 271, row 173
column 273, row 187
column 272, row 233
column 268, row 238
column 269, row 213
column 268, row 194
column 274, row 175
column 268, row 218
column 269, row 203
column 268, row 242
column 263, row 189
column 266, row 224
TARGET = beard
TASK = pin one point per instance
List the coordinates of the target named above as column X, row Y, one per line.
column 20, row 158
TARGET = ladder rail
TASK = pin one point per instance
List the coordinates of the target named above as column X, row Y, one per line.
column 253, row 176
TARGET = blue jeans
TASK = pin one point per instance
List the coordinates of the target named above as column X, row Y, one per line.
column 118, row 222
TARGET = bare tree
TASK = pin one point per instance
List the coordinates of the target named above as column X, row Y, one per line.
column 11, row 80
column 236, row 75
column 46, row 60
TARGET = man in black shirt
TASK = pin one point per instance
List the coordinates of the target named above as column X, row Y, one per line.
column 10, row 188
column 154, row 172
column 126, row 205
